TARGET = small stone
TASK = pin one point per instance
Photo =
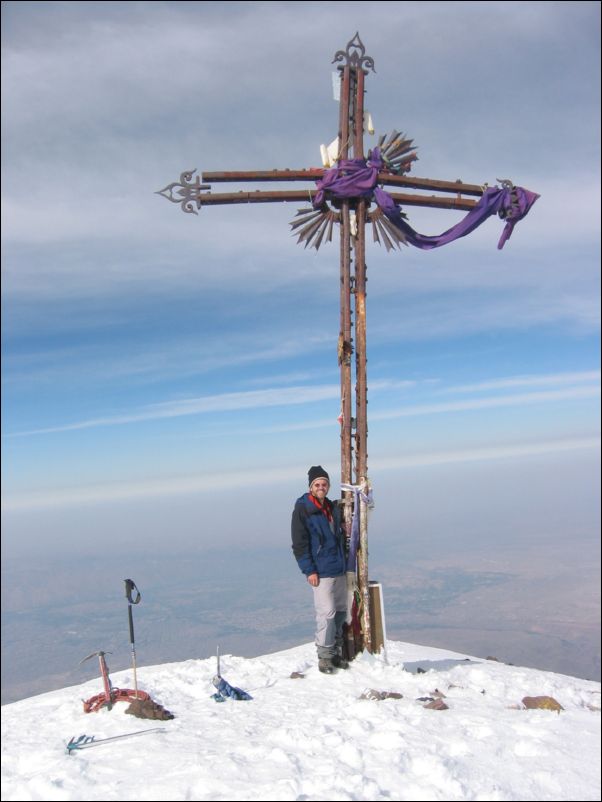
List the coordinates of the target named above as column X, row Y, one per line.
column 436, row 704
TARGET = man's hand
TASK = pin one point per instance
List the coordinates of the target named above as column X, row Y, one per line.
column 314, row 580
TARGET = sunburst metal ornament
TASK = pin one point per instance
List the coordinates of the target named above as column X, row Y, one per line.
column 397, row 152
column 318, row 224
column 314, row 225
column 392, row 236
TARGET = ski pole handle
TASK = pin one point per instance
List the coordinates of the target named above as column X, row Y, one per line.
column 130, row 586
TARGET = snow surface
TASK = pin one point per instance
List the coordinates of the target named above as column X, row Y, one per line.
column 313, row 738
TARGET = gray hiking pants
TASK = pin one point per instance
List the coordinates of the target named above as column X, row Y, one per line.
column 330, row 602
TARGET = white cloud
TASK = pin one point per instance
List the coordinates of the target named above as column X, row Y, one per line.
column 512, row 451
column 309, row 394
column 521, row 399
column 528, row 381
column 232, row 480
column 225, row 402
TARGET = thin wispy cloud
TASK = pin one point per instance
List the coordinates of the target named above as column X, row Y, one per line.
column 511, row 382
column 158, row 361
column 309, row 394
column 226, row 402
column 521, row 399
column 450, row 407
column 233, row 480
column 510, row 451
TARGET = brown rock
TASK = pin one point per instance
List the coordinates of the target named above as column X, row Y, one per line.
column 542, row 703
column 436, row 704
column 146, row 708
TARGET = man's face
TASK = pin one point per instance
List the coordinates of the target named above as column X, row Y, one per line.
column 319, row 488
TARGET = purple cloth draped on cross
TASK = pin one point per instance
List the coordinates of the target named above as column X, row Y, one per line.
column 352, row 178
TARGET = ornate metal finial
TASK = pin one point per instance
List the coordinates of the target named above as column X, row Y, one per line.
column 189, row 192
column 355, row 55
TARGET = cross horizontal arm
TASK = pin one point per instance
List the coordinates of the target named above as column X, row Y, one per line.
column 311, row 174
column 434, row 201
column 300, row 195
column 315, row 173
column 430, row 183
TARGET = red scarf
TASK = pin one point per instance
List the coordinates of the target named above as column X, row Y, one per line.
column 326, row 507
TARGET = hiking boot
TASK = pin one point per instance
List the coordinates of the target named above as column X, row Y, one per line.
column 326, row 666
column 339, row 662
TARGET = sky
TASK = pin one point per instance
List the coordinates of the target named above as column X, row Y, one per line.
column 314, row 737
column 152, row 358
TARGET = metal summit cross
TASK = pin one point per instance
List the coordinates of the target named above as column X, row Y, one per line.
column 349, row 192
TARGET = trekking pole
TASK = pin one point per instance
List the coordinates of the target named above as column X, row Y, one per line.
column 130, row 586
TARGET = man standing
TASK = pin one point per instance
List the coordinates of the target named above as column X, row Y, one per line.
column 319, row 547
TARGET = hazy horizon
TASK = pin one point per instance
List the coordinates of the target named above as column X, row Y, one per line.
column 512, row 576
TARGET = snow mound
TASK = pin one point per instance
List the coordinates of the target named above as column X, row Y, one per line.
column 313, row 737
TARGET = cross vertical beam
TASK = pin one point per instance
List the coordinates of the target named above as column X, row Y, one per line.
column 345, row 347
column 361, row 386
column 351, row 116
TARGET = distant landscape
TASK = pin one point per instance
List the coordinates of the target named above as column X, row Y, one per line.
column 526, row 606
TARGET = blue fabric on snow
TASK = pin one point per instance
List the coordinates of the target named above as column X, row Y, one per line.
column 225, row 690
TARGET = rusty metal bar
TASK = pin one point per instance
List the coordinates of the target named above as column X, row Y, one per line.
column 315, row 173
column 361, row 429
column 345, row 339
column 345, row 351
column 361, row 421
column 434, row 201
column 430, row 183
column 361, row 412
column 358, row 133
column 311, row 174
column 299, row 195
column 257, row 196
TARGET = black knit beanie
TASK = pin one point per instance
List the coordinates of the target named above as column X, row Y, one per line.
column 317, row 472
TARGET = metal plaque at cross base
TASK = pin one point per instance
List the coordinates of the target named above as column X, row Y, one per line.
column 348, row 192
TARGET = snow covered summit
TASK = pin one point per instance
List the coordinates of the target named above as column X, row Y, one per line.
column 314, row 737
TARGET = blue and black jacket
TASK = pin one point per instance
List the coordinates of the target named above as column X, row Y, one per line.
column 318, row 548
